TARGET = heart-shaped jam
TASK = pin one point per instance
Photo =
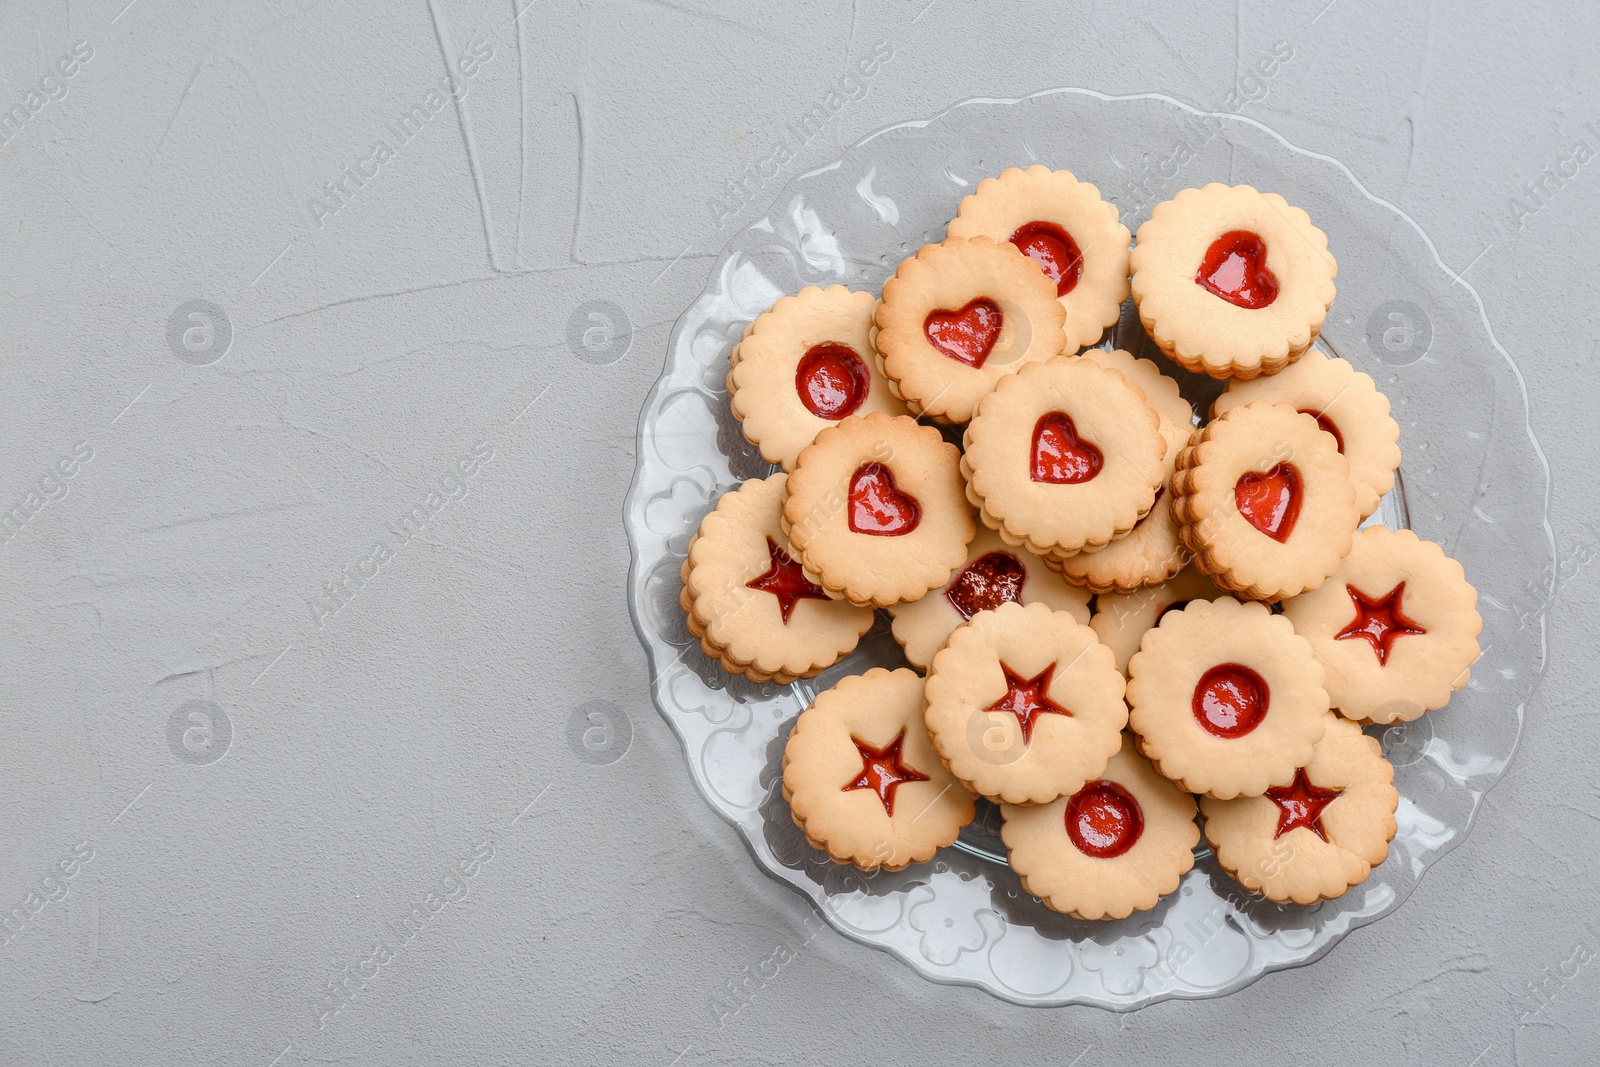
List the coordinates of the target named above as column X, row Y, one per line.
column 1054, row 250
column 1326, row 425
column 785, row 580
column 1060, row 456
column 831, row 381
column 1104, row 820
column 966, row 336
column 877, row 506
column 992, row 579
column 1230, row 700
column 1235, row 268
column 1270, row 501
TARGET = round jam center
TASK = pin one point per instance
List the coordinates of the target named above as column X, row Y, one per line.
column 1235, row 269
column 1230, row 700
column 831, row 381
column 1054, row 250
column 1104, row 820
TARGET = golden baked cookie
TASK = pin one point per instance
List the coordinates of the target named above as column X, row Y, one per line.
column 1397, row 627
column 804, row 364
column 959, row 316
column 863, row 782
column 875, row 510
column 1226, row 698
column 1121, row 619
column 1265, row 502
column 1117, row 845
column 1346, row 404
column 1150, row 553
column 748, row 601
column 994, row 574
column 1024, row 704
column 1319, row 835
column 1232, row 282
column 1063, row 454
column 1064, row 226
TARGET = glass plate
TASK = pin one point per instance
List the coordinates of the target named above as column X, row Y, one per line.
column 1473, row 480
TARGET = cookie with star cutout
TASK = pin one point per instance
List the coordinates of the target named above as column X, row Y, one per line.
column 1315, row 837
column 1396, row 626
column 1024, row 705
column 1116, row 846
column 749, row 602
column 862, row 780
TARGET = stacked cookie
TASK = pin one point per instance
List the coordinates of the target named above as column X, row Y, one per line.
column 1084, row 581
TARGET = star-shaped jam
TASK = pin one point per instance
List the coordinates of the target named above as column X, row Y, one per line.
column 1300, row 805
column 786, row 581
column 883, row 771
column 1379, row 621
column 1028, row 697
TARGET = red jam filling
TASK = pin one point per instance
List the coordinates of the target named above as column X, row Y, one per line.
column 1028, row 698
column 1104, row 820
column 882, row 771
column 831, row 381
column 1300, row 805
column 1230, row 701
column 877, row 506
column 1054, row 250
column 1326, row 425
column 1379, row 621
column 1176, row 605
column 1060, row 456
column 1271, row 501
column 786, row 581
column 1235, row 269
column 992, row 579
column 966, row 336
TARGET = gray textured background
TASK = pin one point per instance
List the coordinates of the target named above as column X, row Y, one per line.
column 378, row 753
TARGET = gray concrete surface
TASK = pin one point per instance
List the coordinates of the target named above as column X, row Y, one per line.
column 225, row 571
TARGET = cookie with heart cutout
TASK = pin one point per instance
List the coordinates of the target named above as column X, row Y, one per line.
column 1396, row 626
column 995, row 573
column 1264, row 500
column 804, row 364
column 959, row 316
column 1320, row 834
column 1062, row 455
column 1116, row 846
column 861, row 779
column 1024, row 704
column 1226, row 698
column 876, row 511
column 1232, row 282
column 748, row 601
column 1347, row 404
column 1122, row 619
column 1068, row 229
column 1150, row 553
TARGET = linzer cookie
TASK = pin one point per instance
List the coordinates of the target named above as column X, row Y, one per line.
column 1024, row 704
column 1397, row 627
column 1121, row 619
column 1062, row 455
column 1150, row 553
column 804, row 364
column 1346, row 404
column 994, row 574
column 958, row 317
column 1117, row 845
column 876, row 512
column 1317, row 836
column 748, row 601
column 1232, row 282
column 1265, row 502
column 1065, row 227
column 1226, row 698
column 863, row 782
